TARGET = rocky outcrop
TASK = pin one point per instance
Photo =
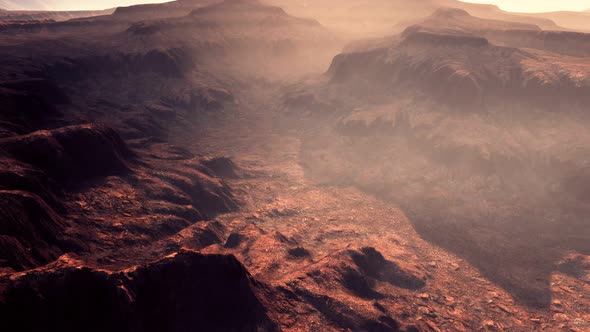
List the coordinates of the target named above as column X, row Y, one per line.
column 368, row 267
column 184, row 291
column 31, row 233
column 15, row 175
column 185, row 185
column 560, row 42
column 27, row 105
column 71, row 153
column 35, row 169
column 222, row 167
column 442, row 39
column 170, row 62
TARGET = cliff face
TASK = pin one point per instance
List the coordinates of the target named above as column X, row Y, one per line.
column 460, row 61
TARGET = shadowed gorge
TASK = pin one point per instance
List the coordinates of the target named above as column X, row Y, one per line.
column 283, row 165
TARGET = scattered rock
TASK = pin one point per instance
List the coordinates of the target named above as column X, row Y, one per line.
column 298, row 252
column 359, row 284
column 234, row 240
column 284, row 239
column 374, row 265
column 222, row 167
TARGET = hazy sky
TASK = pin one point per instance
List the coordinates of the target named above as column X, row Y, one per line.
column 511, row 5
column 70, row 4
column 538, row 5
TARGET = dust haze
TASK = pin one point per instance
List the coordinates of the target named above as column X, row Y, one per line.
column 286, row 165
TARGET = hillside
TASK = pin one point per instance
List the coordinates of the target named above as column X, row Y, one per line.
column 460, row 55
column 245, row 36
column 474, row 140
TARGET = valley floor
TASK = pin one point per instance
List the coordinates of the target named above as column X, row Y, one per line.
column 294, row 234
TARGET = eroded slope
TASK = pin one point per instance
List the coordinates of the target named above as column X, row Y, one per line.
column 476, row 142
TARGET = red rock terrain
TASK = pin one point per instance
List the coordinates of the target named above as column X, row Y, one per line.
column 159, row 173
column 441, row 120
